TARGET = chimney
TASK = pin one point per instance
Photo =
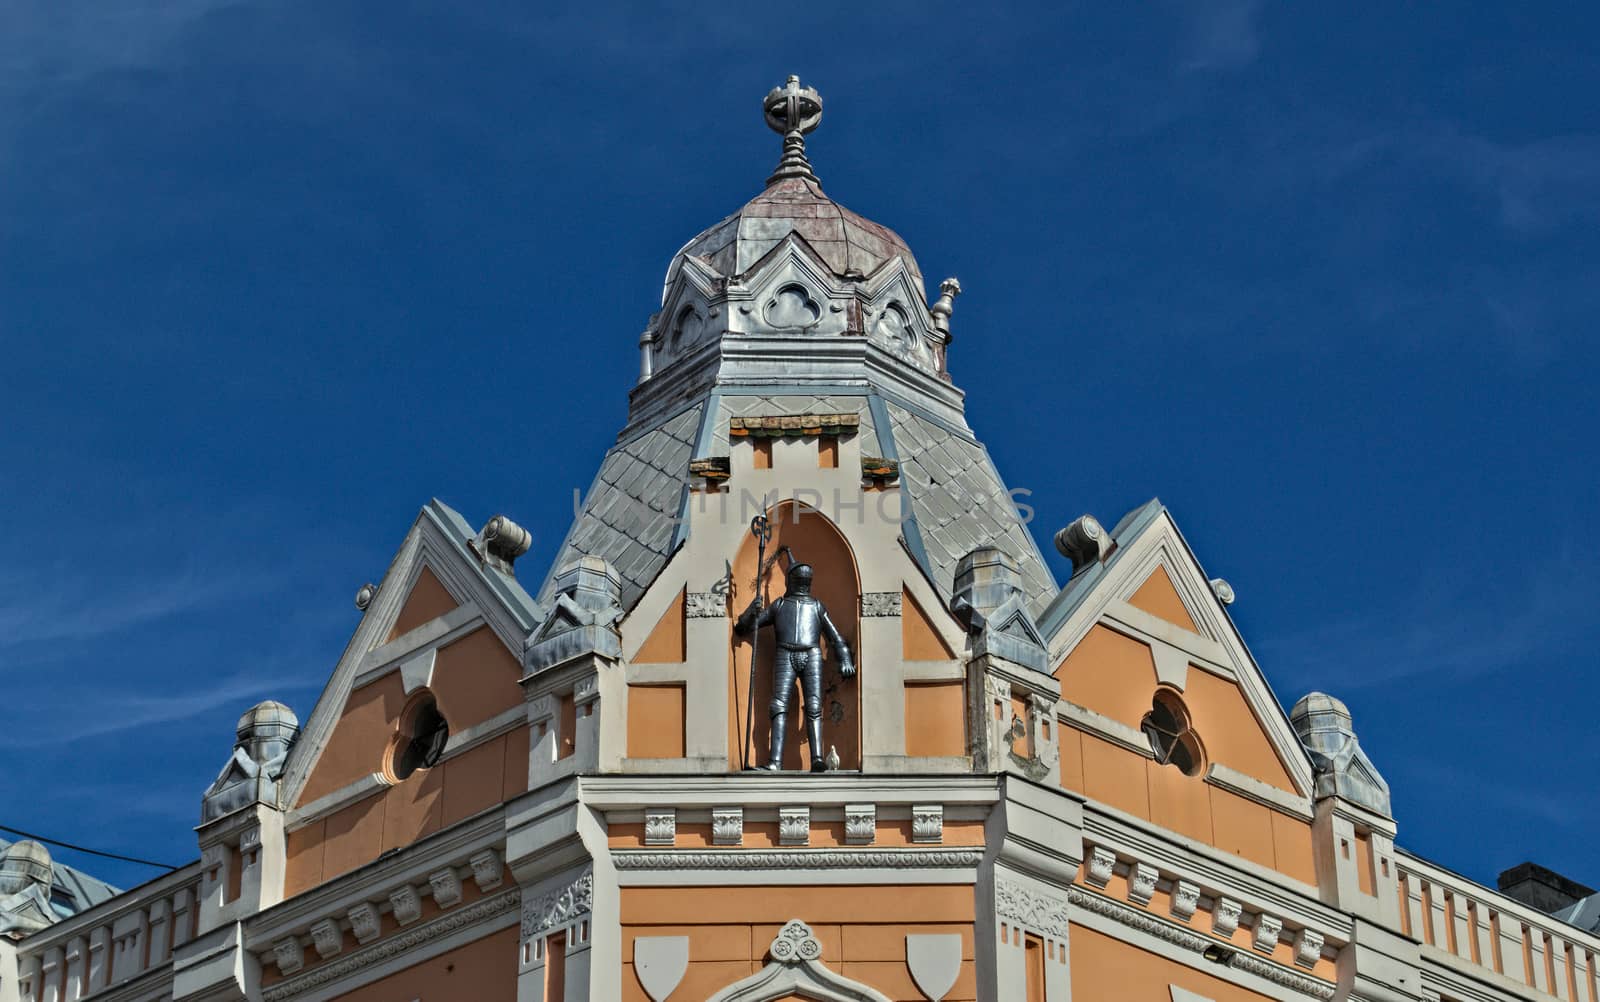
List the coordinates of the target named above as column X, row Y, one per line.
column 1540, row 888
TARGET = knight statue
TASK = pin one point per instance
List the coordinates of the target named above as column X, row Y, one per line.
column 799, row 622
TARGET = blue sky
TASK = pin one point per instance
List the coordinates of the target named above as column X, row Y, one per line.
column 1322, row 278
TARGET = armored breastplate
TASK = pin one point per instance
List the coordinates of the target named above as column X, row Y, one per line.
column 797, row 621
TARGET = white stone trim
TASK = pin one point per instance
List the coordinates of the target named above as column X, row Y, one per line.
column 1101, row 726
column 796, row 969
column 1264, row 794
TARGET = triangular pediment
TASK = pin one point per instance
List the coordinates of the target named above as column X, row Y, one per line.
column 1148, row 616
column 437, row 593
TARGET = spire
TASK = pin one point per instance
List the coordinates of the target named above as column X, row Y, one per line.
column 791, row 112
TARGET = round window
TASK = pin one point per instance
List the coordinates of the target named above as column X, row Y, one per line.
column 1171, row 736
column 420, row 742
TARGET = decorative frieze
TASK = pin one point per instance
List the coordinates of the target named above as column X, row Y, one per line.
column 1225, row 917
column 1307, row 947
column 1099, row 866
column 482, row 910
column 705, row 605
column 794, row 825
column 407, row 906
column 860, row 823
column 1042, row 913
column 1142, row 883
column 1185, row 899
column 487, row 872
column 364, row 924
column 1264, row 936
column 660, row 827
column 446, row 887
column 286, row 953
column 325, row 936
column 796, row 859
column 561, row 906
column 880, row 604
column 727, row 826
column 927, row 823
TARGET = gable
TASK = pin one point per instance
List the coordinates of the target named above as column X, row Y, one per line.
column 1159, row 598
column 1146, row 617
column 428, row 600
column 666, row 643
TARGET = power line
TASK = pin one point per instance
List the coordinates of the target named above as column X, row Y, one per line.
column 79, row 848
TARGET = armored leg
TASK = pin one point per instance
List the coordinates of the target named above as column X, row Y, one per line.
column 811, row 686
column 783, row 675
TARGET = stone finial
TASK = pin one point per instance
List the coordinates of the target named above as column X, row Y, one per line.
column 501, row 542
column 1342, row 768
column 1084, row 542
column 262, row 740
column 1223, row 590
column 945, row 305
column 365, row 594
column 793, row 112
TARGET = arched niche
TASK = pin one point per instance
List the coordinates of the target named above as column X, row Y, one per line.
column 815, row 540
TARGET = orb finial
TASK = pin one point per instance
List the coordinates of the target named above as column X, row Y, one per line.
column 793, row 111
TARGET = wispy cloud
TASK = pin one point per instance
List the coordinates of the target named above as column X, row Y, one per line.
column 1447, row 627
column 64, row 716
column 1219, row 35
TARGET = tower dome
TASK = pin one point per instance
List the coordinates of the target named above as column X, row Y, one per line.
column 24, row 863
column 793, row 202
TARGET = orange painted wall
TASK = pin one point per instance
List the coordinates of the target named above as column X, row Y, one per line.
column 474, row 679
column 666, row 643
column 919, row 641
column 1188, row 805
column 936, row 718
column 428, row 600
column 862, row 930
column 1115, row 675
column 819, row 543
column 656, row 721
column 1159, row 598
column 1106, row 968
column 484, row 970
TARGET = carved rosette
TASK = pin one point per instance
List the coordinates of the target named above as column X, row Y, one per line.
column 1043, row 913
column 558, row 907
column 795, row 944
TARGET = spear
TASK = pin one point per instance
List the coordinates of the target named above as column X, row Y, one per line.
column 760, row 528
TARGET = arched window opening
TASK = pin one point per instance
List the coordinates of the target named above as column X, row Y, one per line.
column 1171, row 736
column 420, row 741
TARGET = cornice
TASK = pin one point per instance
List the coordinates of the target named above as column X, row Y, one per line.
column 795, row 859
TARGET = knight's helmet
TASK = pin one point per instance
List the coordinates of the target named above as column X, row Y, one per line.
column 799, row 579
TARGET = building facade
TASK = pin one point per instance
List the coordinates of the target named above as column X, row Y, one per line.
column 530, row 788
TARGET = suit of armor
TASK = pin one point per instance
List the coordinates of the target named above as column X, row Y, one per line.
column 799, row 623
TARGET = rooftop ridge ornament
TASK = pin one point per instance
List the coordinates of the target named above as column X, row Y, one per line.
column 793, row 111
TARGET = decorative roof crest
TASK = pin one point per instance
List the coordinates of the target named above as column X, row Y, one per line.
column 793, row 111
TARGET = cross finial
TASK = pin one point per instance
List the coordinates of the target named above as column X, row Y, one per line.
column 791, row 112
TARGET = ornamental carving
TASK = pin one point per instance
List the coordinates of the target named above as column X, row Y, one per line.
column 486, row 869
column 288, row 955
column 880, row 603
column 1043, row 913
column 717, row 859
column 1225, row 917
column 407, row 906
column 1307, row 947
column 364, row 923
column 795, row 943
column 558, row 907
column 705, row 605
column 660, row 827
column 860, row 823
column 1185, row 899
column 794, row 825
column 325, row 936
column 1142, row 883
column 727, row 825
column 1265, row 936
column 446, row 887
column 927, row 823
column 1101, row 864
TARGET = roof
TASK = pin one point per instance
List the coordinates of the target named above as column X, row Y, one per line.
column 86, row 891
column 1584, row 914
column 850, row 244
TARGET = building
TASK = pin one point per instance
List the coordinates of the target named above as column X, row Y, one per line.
column 529, row 785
